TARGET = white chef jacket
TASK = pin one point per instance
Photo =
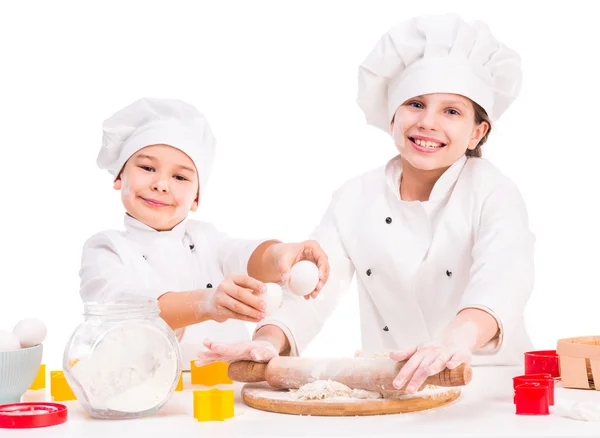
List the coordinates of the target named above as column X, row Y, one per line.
column 141, row 261
column 417, row 264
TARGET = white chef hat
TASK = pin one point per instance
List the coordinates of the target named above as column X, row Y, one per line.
column 437, row 54
column 150, row 121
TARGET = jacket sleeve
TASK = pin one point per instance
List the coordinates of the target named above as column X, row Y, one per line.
column 301, row 320
column 234, row 253
column 103, row 275
column 502, row 272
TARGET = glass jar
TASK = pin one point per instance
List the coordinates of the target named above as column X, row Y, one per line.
column 123, row 361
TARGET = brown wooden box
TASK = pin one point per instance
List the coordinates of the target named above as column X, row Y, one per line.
column 579, row 361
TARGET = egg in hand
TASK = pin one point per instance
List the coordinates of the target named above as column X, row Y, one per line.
column 304, row 277
column 273, row 297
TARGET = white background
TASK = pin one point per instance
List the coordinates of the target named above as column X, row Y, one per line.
column 277, row 81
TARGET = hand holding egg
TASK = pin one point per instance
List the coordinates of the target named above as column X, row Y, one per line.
column 303, row 267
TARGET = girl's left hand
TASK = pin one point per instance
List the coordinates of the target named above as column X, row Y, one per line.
column 286, row 255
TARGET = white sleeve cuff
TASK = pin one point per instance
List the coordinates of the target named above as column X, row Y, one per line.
column 286, row 331
column 236, row 256
column 494, row 344
column 179, row 333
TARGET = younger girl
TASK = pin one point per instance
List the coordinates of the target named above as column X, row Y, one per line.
column 160, row 153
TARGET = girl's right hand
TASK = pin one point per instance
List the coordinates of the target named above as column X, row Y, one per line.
column 236, row 298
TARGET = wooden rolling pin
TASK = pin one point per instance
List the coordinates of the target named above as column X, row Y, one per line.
column 371, row 374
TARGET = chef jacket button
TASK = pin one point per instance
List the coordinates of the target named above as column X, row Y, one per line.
column 191, row 247
column 209, row 285
column 386, row 329
column 449, row 274
column 368, row 272
column 145, row 258
column 388, row 220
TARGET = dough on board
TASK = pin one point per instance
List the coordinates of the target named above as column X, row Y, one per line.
column 324, row 389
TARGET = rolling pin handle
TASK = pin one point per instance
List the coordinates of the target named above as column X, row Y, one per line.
column 247, row 371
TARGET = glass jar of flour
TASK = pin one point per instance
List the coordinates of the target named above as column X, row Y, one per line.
column 123, row 361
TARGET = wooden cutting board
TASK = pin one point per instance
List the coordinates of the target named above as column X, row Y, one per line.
column 265, row 398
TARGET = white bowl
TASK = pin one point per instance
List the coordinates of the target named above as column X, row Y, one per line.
column 18, row 370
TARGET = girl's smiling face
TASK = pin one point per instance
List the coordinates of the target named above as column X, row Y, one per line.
column 432, row 131
column 159, row 186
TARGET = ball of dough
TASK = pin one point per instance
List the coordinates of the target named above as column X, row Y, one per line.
column 304, row 277
column 8, row 341
column 273, row 297
column 30, row 332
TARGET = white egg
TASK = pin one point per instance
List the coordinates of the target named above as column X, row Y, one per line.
column 30, row 332
column 273, row 297
column 8, row 341
column 304, row 277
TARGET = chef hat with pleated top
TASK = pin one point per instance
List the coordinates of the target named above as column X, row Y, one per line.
column 151, row 121
column 437, row 54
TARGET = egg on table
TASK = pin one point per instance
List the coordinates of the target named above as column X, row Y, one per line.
column 30, row 332
column 8, row 341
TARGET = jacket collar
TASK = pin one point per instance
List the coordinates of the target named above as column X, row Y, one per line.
column 393, row 173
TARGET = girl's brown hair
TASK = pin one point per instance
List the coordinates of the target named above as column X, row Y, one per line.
column 480, row 117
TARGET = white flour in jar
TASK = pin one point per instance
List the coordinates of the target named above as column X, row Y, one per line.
column 131, row 369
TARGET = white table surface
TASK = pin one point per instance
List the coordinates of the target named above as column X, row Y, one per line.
column 484, row 409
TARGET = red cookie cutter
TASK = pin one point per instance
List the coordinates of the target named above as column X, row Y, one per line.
column 532, row 399
column 30, row 415
column 544, row 379
column 542, row 362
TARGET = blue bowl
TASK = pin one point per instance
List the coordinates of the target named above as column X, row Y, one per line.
column 18, row 370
